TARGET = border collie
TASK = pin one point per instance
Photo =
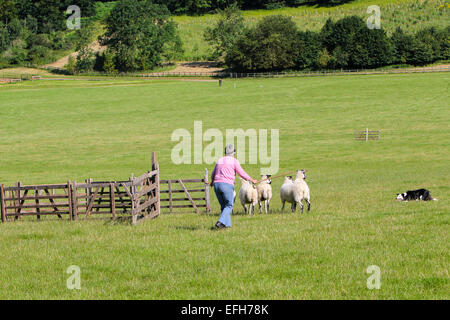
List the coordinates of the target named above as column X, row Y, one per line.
column 419, row 194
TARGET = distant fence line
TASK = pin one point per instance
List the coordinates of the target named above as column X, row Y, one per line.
column 8, row 77
column 294, row 74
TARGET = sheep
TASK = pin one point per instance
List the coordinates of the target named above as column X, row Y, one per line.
column 301, row 191
column 248, row 196
column 286, row 193
column 234, row 201
column 264, row 190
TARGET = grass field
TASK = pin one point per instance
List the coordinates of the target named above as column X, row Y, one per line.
column 53, row 131
column 410, row 15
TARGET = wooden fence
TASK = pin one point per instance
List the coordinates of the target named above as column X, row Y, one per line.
column 137, row 198
column 367, row 135
column 185, row 193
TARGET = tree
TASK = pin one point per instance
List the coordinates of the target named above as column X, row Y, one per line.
column 229, row 27
column 308, row 47
column 85, row 57
column 8, row 10
column 136, row 32
column 270, row 45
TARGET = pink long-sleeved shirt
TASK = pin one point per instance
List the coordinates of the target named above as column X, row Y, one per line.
column 226, row 169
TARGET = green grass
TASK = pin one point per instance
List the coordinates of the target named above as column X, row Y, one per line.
column 411, row 15
column 55, row 131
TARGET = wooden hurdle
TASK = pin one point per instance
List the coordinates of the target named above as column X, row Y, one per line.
column 367, row 135
column 186, row 193
column 137, row 198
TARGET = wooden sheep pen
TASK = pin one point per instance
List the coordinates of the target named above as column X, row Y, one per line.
column 138, row 198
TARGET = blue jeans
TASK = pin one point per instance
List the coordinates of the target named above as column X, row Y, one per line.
column 224, row 193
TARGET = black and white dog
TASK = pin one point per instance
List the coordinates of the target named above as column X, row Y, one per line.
column 419, row 194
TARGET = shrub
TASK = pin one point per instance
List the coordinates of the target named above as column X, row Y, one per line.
column 38, row 54
column 270, row 45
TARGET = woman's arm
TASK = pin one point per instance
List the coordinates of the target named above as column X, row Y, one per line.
column 242, row 173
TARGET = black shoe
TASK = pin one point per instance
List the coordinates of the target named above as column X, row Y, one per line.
column 220, row 225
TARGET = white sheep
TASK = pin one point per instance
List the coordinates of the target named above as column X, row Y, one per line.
column 264, row 190
column 301, row 191
column 287, row 192
column 248, row 196
column 234, row 201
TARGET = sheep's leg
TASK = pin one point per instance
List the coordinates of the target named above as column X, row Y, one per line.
column 309, row 205
column 301, row 206
column 282, row 208
column 265, row 205
column 260, row 207
column 245, row 208
column 293, row 207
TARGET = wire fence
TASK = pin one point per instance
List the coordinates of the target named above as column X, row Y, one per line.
column 8, row 77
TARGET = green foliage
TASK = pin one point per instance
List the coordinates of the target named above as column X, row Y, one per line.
column 108, row 64
column 38, row 54
column 70, row 66
column 8, row 10
column 229, row 27
column 270, row 45
column 136, row 33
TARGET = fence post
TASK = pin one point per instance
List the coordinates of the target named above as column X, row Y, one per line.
column 69, row 199
column 74, row 201
column 208, row 204
column 155, row 166
column 17, row 202
column 367, row 134
column 2, row 202
column 112, row 199
column 133, row 203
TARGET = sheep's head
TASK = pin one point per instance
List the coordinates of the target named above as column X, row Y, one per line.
column 301, row 174
column 266, row 178
column 288, row 179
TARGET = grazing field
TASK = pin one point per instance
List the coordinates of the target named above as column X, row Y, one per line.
column 53, row 131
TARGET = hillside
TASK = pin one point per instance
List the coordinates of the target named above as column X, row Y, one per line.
column 410, row 15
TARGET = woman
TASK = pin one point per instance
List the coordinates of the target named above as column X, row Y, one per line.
column 222, row 178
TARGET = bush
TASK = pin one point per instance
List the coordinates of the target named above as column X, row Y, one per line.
column 270, row 45
column 308, row 47
column 38, row 55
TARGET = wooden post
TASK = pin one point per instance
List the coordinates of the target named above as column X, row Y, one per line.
column 133, row 203
column 367, row 134
column 170, row 195
column 112, row 198
column 16, row 202
column 69, row 199
column 36, row 200
column 155, row 166
column 75, row 200
column 208, row 203
column 2, row 202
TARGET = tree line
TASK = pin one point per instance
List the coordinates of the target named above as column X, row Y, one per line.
column 276, row 43
column 140, row 35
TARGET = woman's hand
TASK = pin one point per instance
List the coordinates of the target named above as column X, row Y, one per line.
column 254, row 181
